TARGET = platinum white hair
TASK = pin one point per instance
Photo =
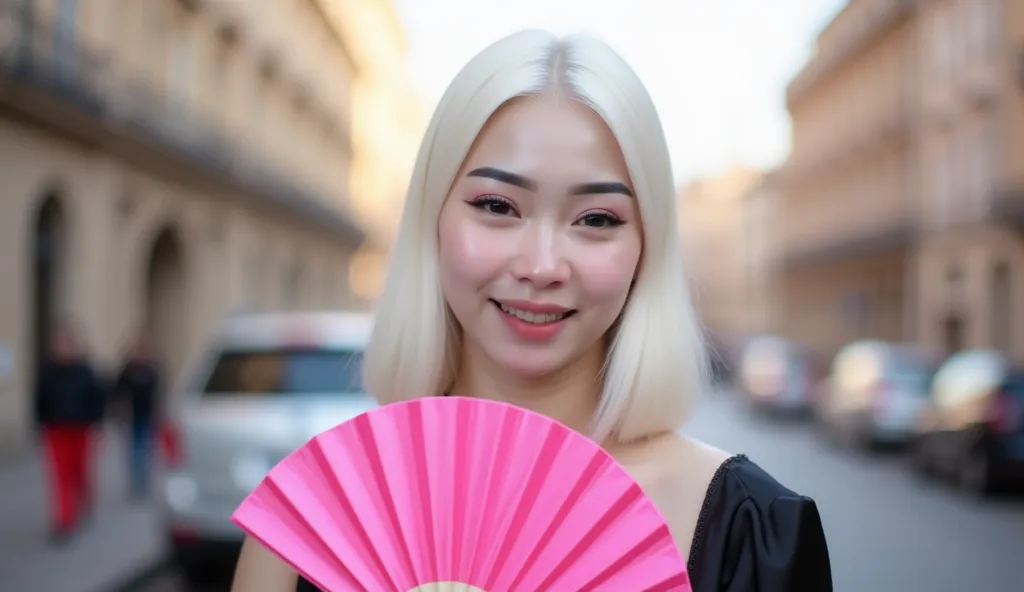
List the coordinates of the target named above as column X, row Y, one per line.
column 656, row 361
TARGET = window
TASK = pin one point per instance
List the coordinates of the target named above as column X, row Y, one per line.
column 285, row 372
column 913, row 378
column 180, row 71
column 981, row 165
column 220, row 84
column 154, row 40
column 946, row 177
column 257, row 103
column 988, row 155
column 955, row 284
column 962, row 190
column 64, row 41
column 1014, row 386
column 1001, row 310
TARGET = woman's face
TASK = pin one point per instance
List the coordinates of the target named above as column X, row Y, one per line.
column 540, row 236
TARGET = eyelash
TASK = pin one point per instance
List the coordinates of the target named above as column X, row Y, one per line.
column 483, row 202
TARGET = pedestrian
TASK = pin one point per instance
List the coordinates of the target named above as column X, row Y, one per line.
column 137, row 392
column 70, row 404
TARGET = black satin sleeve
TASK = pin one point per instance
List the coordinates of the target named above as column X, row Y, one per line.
column 755, row 535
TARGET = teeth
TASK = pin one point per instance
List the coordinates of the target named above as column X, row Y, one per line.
column 530, row 317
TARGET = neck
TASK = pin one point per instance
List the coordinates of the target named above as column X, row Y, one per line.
column 569, row 396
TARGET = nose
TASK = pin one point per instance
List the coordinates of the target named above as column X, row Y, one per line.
column 541, row 260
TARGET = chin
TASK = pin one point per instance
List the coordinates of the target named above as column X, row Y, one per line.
column 529, row 363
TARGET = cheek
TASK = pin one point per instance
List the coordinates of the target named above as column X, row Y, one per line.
column 468, row 255
column 606, row 276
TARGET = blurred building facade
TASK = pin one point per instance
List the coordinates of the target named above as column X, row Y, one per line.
column 904, row 191
column 387, row 128
column 761, row 230
column 167, row 162
column 716, row 249
column 849, row 188
column 971, row 169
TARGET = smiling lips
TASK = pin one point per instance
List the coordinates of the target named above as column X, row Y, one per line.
column 532, row 321
column 538, row 318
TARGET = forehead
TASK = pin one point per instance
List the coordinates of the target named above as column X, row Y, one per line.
column 549, row 137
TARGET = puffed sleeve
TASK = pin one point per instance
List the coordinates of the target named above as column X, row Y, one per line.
column 755, row 535
column 779, row 549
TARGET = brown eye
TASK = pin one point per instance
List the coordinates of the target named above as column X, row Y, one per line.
column 599, row 220
column 494, row 205
column 498, row 208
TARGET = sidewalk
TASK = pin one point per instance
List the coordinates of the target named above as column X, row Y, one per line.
column 124, row 538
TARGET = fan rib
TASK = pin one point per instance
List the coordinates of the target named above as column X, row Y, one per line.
column 494, row 484
column 588, row 477
column 366, row 438
column 526, row 499
column 631, row 496
column 417, row 434
column 464, row 416
column 297, row 514
column 320, row 456
column 288, row 560
column 656, row 536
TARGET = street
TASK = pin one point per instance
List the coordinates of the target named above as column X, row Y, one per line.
column 120, row 541
column 887, row 531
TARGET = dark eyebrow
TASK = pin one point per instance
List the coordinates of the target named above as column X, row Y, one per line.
column 504, row 177
column 601, row 188
column 531, row 185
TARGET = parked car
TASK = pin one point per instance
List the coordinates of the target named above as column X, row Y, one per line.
column 776, row 375
column 875, row 392
column 972, row 428
column 265, row 386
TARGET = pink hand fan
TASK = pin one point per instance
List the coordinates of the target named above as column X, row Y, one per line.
column 463, row 495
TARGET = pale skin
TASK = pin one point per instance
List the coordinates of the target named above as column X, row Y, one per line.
column 548, row 243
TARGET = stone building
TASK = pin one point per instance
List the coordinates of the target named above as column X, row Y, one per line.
column 850, row 189
column 164, row 163
column 904, row 192
column 712, row 221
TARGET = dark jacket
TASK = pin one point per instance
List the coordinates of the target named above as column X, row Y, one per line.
column 139, row 385
column 69, row 393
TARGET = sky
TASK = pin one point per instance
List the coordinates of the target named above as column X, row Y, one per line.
column 716, row 69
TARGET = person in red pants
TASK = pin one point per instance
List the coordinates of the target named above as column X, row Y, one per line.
column 70, row 404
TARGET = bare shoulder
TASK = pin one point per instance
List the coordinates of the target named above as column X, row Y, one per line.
column 260, row 570
column 675, row 471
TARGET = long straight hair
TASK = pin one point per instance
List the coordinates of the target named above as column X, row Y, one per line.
column 656, row 362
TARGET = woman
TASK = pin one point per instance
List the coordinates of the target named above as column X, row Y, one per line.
column 537, row 263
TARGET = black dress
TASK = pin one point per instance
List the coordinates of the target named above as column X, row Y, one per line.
column 753, row 535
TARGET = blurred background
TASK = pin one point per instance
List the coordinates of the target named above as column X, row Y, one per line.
column 214, row 181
